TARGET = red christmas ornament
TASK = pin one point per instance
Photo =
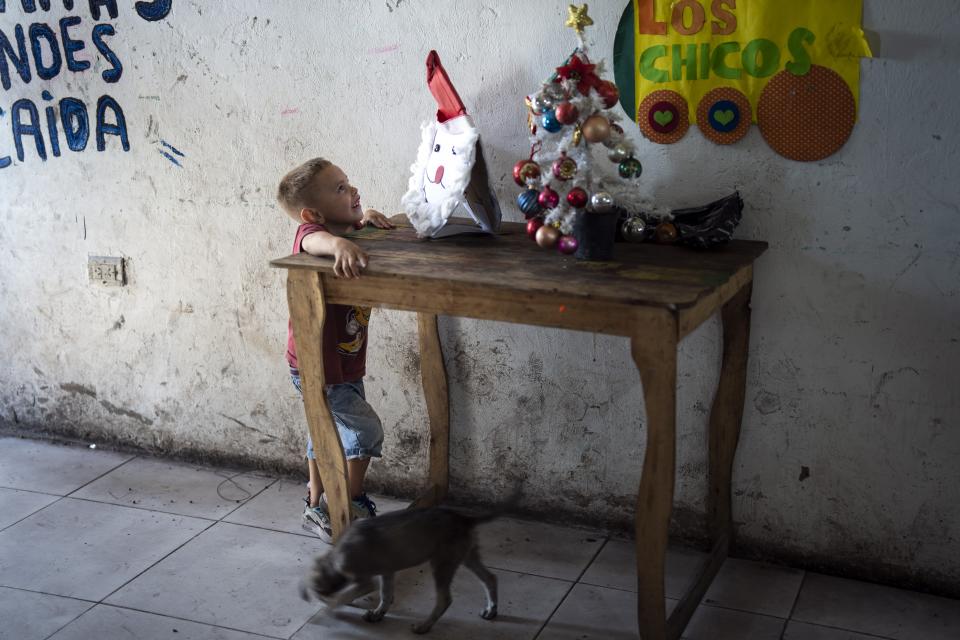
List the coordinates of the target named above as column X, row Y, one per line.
column 525, row 170
column 609, row 92
column 566, row 113
column 616, row 135
column 567, row 244
column 577, row 198
column 564, row 167
column 548, row 198
column 533, row 224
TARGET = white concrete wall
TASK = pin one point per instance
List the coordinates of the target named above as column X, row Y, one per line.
column 856, row 306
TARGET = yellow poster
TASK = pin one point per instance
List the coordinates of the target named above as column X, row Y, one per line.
column 791, row 66
column 695, row 46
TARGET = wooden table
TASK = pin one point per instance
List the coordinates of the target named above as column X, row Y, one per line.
column 655, row 295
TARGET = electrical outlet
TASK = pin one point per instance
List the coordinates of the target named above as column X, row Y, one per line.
column 106, row 271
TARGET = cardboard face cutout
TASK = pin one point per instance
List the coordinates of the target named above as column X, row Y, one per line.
column 447, row 170
column 449, row 177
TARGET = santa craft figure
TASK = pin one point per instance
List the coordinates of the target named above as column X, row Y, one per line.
column 449, row 178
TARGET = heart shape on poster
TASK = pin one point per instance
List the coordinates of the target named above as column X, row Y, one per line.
column 663, row 118
column 724, row 117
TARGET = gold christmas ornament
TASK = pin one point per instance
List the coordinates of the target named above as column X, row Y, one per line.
column 596, row 128
column 547, row 236
column 577, row 135
column 577, row 18
column 666, row 233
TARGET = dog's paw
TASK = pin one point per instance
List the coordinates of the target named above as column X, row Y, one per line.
column 304, row 591
column 374, row 616
column 423, row 627
column 489, row 613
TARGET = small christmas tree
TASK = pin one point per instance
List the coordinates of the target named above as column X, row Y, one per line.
column 570, row 113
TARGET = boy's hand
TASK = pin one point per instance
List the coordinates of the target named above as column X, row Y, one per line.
column 348, row 259
column 377, row 219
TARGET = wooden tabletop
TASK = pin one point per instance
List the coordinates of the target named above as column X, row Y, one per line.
column 646, row 273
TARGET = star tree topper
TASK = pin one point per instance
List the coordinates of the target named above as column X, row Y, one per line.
column 577, row 18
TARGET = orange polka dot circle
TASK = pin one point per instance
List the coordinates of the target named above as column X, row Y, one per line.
column 806, row 118
column 713, row 97
column 678, row 128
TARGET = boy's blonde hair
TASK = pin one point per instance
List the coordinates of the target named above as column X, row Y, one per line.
column 291, row 194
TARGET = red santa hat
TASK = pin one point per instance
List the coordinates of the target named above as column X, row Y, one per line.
column 449, row 103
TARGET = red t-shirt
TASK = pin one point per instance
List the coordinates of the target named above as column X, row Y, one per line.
column 344, row 332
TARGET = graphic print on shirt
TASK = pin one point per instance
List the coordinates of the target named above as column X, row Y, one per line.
column 357, row 320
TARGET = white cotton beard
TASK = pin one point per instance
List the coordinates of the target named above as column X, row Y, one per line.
column 428, row 217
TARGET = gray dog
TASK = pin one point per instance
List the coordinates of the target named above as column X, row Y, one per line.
column 386, row 544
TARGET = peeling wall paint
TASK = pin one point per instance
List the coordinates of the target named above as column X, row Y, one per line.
column 851, row 432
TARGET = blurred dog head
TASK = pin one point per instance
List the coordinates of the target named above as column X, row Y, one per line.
column 323, row 582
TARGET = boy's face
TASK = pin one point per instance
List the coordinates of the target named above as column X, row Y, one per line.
column 332, row 196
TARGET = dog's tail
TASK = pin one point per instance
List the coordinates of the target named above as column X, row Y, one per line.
column 479, row 516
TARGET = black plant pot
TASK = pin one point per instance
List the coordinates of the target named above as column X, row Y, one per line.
column 595, row 233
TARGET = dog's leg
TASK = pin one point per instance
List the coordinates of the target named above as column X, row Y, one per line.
column 347, row 595
column 443, row 570
column 386, row 599
column 472, row 562
column 305, row 592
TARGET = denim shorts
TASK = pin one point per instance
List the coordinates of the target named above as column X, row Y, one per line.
column 361, row 432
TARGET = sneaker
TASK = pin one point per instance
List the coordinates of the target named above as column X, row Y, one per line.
column 363, row 507
column 316, row 520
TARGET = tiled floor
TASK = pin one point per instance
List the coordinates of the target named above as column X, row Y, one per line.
column 102, row 545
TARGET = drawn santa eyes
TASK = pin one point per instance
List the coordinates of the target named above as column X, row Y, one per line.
column 436, row 148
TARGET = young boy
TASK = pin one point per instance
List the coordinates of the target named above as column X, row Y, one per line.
column 318, row 196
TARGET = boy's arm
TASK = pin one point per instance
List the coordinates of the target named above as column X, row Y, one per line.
column 348, row 258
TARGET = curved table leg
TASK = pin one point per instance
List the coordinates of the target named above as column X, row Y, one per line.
column 727, row 411
column 434, row 376
column 307, row 313
column 655, row 354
